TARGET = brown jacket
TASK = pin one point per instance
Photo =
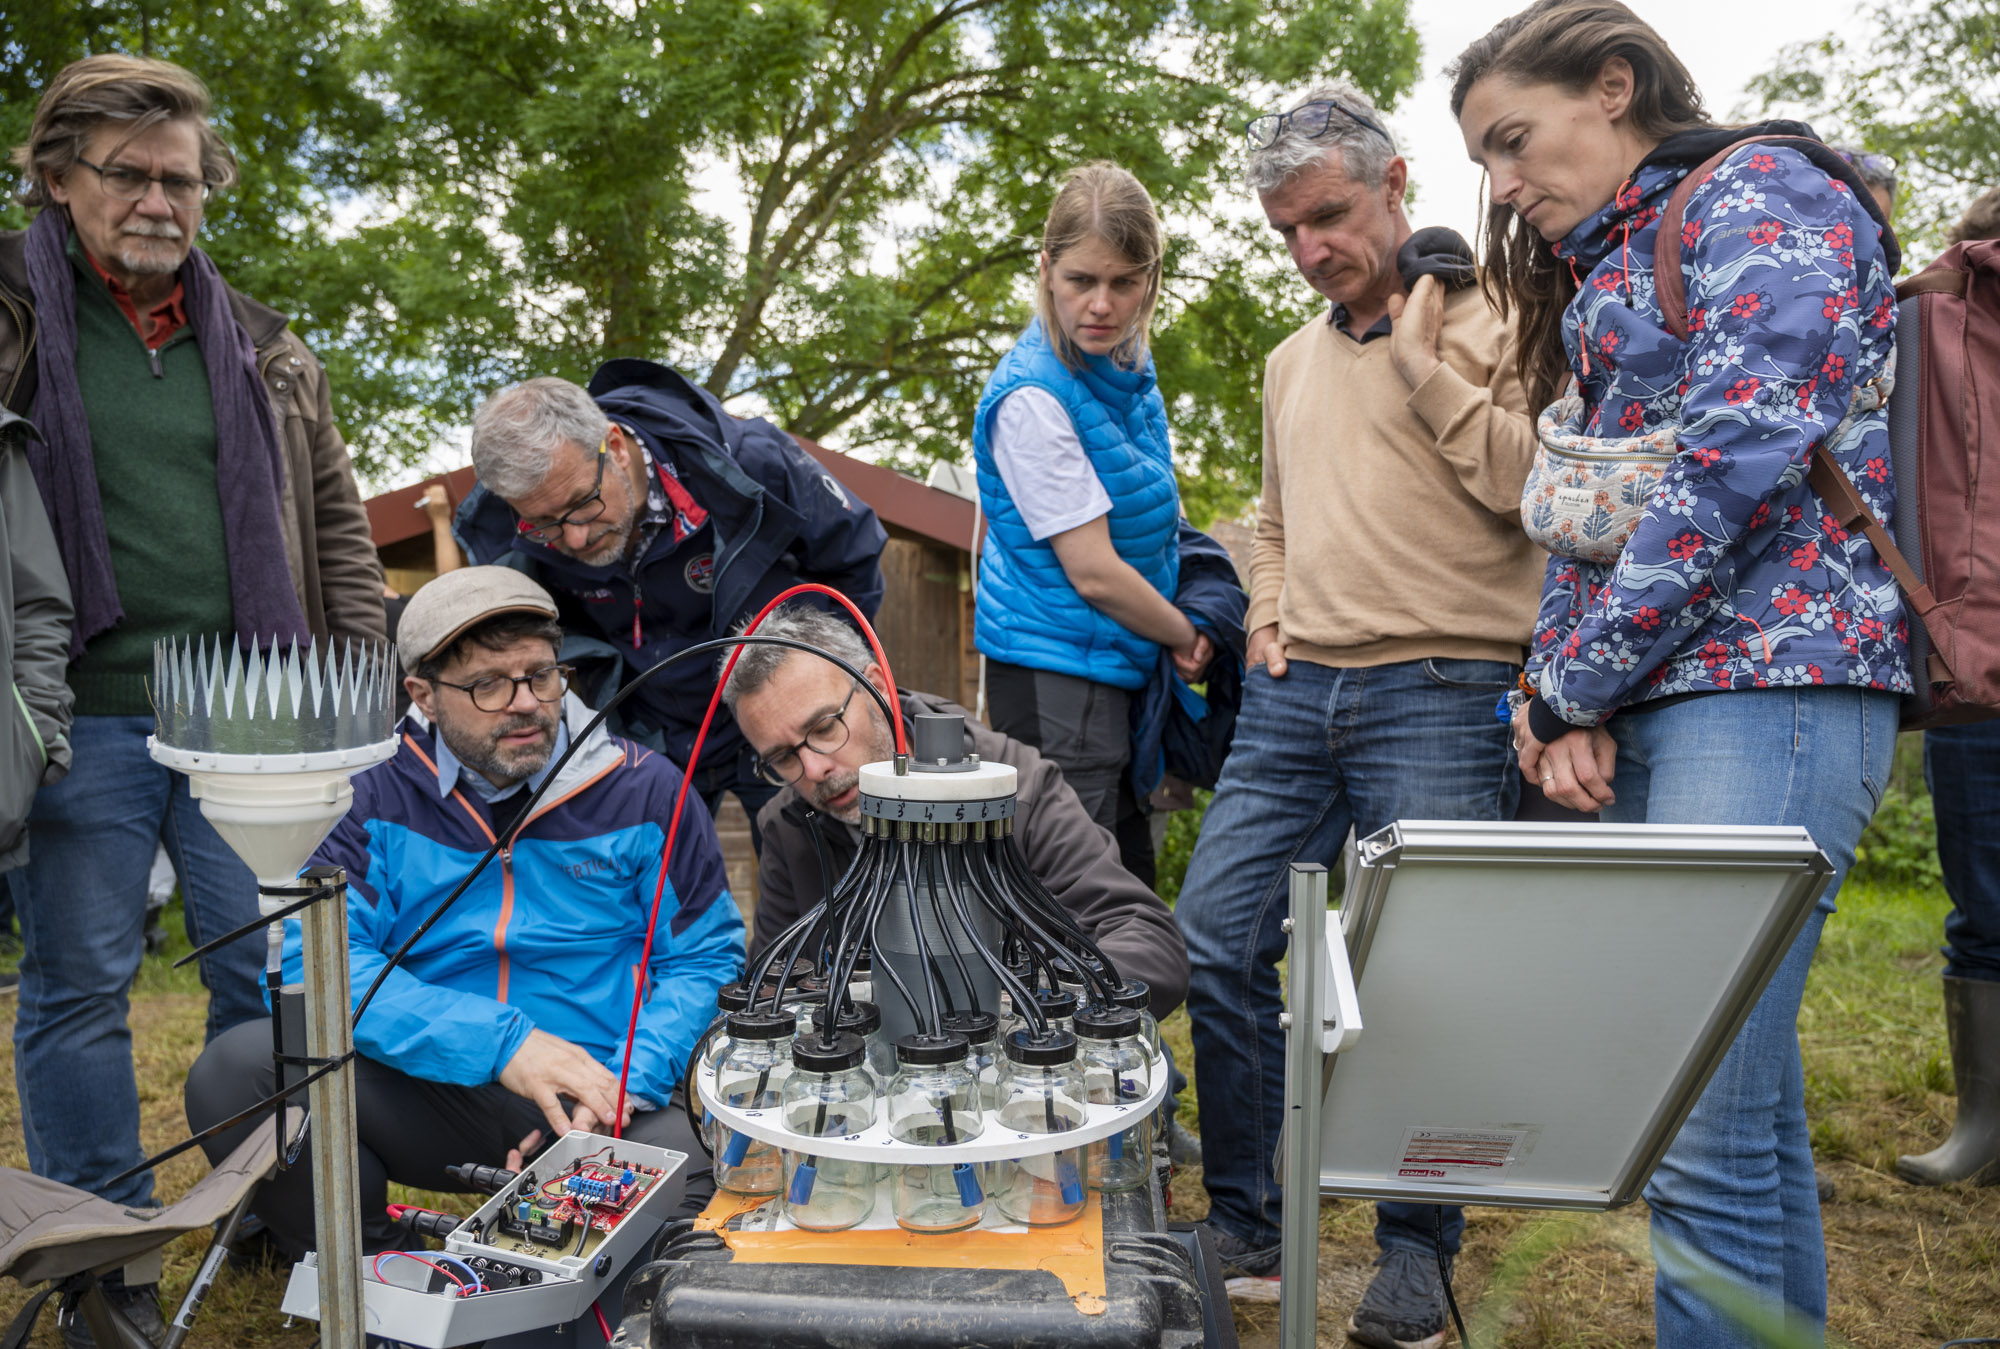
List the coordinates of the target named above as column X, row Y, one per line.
column 328, row 547
column 1071, row 854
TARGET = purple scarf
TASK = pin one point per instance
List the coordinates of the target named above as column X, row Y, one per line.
column 248, row 469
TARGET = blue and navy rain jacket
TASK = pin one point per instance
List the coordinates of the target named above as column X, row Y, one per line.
column 549, row 937
column 1736, row 577
column 1027, row 612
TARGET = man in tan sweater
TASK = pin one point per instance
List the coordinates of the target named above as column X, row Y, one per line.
column 1391, row 595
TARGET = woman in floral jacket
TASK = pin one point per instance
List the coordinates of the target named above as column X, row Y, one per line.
column 1738, row 661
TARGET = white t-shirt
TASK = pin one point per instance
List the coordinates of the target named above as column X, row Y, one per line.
column 1043, row 464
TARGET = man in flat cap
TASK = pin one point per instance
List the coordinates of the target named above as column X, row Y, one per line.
column 506, row 1025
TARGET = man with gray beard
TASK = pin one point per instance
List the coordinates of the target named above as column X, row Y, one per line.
column 812, row 728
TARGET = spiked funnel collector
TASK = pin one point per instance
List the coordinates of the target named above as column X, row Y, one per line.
column 270, row 741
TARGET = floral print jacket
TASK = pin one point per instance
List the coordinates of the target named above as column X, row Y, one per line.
column 1736, row 577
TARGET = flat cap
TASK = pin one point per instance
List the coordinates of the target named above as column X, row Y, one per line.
column 443, row 609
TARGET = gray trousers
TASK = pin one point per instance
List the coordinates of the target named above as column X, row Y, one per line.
column 1086, row 728
column 410, row 1130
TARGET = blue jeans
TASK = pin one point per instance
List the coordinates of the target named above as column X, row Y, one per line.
column 1734, row 1197
column 1317, row 752
column 1962, row 769
column 82, row 904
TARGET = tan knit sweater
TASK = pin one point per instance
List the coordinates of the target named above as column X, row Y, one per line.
column 1389, row 527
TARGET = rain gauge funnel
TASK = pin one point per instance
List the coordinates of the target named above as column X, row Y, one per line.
column 269, row 742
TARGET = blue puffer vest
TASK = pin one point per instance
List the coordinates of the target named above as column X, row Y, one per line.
column 1028, row 613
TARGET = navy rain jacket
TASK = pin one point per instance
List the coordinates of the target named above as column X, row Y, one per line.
column 1174, row 729
column 777, row 517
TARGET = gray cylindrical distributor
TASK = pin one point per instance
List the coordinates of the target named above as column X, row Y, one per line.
column 896, row 947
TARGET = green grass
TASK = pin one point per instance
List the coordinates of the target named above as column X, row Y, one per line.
column 1909, row 1268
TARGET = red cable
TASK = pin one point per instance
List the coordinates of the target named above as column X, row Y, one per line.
column 602, row 1324
column 680, row 800
column 464, row 1288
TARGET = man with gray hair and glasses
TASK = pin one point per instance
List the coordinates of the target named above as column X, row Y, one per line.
column 1392, row 594
column 812, row 728
column 196, row 485
column 658, row 520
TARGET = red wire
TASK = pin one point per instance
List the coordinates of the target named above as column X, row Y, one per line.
column 602, row 1324
column 687, row 778
column 463, row 1287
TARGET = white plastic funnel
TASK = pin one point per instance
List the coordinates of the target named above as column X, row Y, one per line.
column 274, row 809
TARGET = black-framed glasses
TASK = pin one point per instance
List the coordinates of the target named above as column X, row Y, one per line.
column 587, row 511
column 495, row 693
column 122, row 183
column 825, row 736
column 1310, row 119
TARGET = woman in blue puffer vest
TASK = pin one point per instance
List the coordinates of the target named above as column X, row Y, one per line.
column 1080, row 562
column 1738, row 659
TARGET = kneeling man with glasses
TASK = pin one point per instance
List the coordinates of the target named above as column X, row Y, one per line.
column 506, row 1023
column 812, row 728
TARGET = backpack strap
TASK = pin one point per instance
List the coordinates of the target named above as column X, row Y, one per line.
column 1669, row 285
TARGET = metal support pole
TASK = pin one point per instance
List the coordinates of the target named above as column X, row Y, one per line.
column 335, row 1145
column 1298, row 1286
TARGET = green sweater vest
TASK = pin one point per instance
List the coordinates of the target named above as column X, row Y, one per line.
column 152, row 440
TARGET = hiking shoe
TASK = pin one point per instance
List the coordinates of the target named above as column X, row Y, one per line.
column 1404, row 1307
column 139, row 1303
column 1249, row 1273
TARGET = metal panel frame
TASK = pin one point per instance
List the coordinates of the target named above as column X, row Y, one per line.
column 1311, row 1075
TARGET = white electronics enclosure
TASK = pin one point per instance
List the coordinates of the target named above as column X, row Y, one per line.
column 585, row 1225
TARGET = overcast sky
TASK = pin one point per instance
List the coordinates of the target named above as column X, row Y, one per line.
column 1723, row 42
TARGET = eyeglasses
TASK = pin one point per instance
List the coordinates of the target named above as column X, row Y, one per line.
column 1311, row 119
column 128, row 184
column 587, row 511
column 495, row 693
column 824, row 736
column 1869, row 162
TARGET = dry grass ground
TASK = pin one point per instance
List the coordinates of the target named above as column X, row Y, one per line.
column 1909, row 1268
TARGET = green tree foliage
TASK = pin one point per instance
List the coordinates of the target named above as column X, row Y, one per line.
column 826, row 209
column 1920, row 82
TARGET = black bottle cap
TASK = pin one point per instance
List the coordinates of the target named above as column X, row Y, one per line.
column 976, row 1027
column 732, row 997
column 1106, row 1023
column 1132, row 993
column 761, row 1025
column 1056, row 1001
column 861, row 1017
column 813, row 1055
column 1051, row 1048
column 929, row 1050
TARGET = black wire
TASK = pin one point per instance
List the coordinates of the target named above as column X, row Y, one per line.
column 1444, row 1276
column 688, row 1101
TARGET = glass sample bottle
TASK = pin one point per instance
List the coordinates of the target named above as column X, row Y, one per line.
column 1043, row 1095
column 934, row 1101
column 830, row 1094
column 1058, row 1006
column 750, row 1077
column 865, row 1020
column 982, row 1056
column 1116, row 1071
column 1138, row 995
column 729, row 998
